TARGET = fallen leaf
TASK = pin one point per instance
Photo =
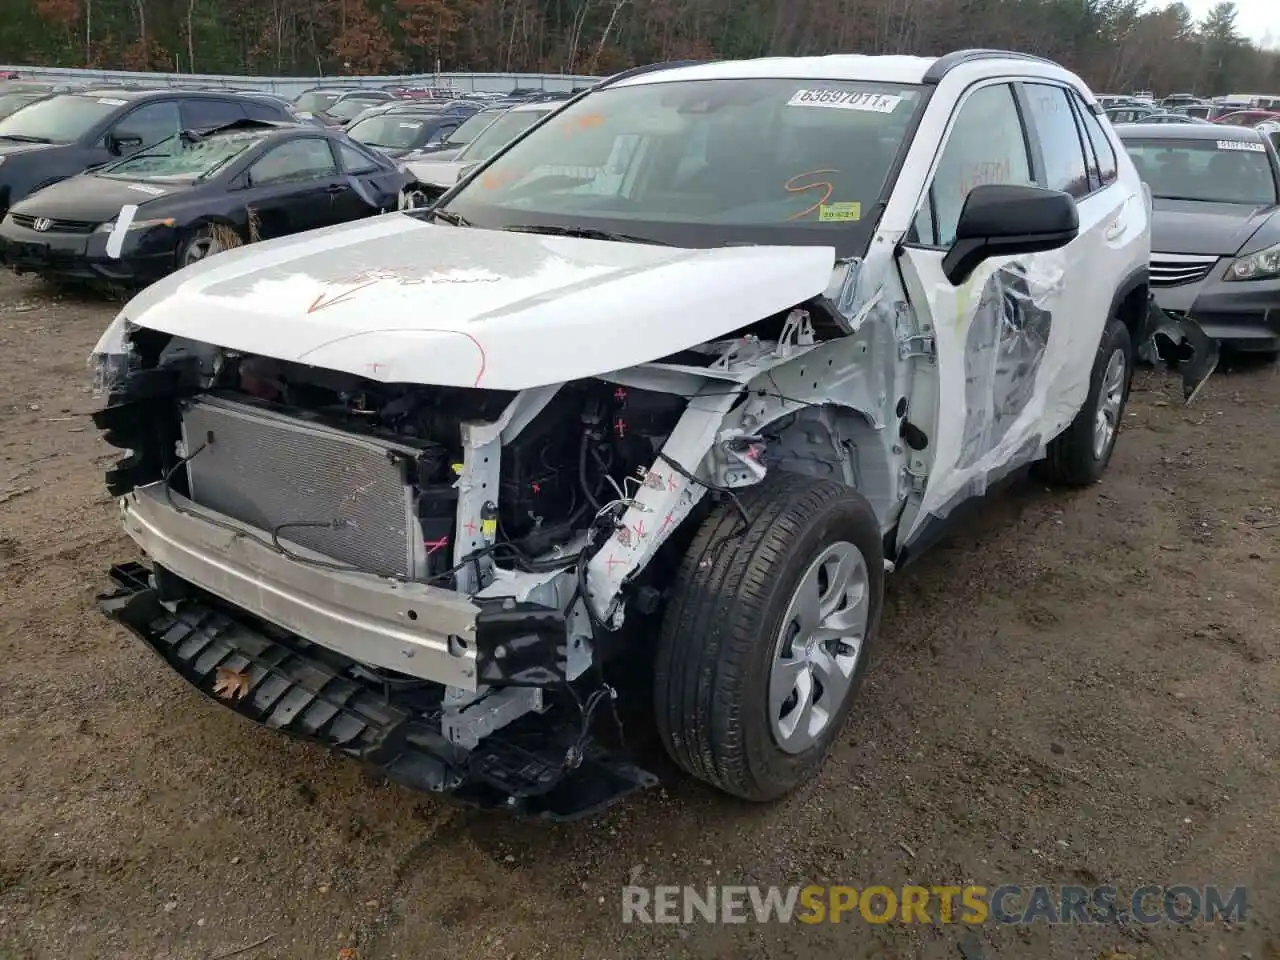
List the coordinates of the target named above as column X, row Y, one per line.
column 231, row 684
column 348, row 953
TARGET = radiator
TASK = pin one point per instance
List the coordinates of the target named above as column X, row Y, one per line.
column 266, row 469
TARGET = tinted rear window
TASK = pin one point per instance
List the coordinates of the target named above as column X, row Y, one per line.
column 1230, row 170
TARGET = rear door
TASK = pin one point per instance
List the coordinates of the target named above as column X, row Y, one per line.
column 1014, row 343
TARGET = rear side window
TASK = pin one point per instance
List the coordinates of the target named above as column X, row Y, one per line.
column 1054, row 125
column 1102, row 149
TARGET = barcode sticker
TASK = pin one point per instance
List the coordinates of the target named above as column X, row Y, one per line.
column 845, row 100
column 1241, row 145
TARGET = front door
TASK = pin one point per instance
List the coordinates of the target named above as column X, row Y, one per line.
column 1015, row 342
column 291, row 188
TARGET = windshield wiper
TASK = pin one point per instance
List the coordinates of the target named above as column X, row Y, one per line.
column 453, row 219
column 19, row 138
column 586, row 233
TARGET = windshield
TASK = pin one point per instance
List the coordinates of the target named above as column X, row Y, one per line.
column 470, row 129
column 499, row 133
column 703, row 163
column 395, row 132
column 182, row 158
column 1212, row 171
column 13, row 102
column 59, row 119
column 347, row 109
column 317, row 101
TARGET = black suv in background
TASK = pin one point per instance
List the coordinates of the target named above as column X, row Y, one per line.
column 66, row 134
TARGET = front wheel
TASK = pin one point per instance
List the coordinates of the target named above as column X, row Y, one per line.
column 766, row 635
column 1079, row 455
column 203, row 242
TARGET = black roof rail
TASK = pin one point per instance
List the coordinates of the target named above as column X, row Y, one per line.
column 648, row 68
column 948, row 62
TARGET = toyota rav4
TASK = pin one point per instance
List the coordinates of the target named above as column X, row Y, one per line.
column 660, row 392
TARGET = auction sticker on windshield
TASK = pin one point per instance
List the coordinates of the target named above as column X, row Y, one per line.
column 845, row 210
column 845, row 100
column 1241, row 145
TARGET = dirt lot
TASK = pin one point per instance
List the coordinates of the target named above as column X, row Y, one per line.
column 1079, row 688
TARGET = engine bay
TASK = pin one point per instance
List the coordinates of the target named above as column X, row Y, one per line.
column 558, row 475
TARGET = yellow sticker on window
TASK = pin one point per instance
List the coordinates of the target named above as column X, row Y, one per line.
column 851, row 210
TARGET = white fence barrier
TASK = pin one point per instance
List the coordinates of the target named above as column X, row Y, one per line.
column 292, row 86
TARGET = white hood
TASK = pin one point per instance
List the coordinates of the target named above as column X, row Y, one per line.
column 395, row 299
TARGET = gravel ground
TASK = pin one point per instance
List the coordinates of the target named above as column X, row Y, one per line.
column 1077, row 688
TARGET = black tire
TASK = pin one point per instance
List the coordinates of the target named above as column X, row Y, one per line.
column 202, row 237
column 723, row 622
column 1073, row 456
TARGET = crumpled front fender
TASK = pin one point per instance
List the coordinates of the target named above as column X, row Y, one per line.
column 1169, row 337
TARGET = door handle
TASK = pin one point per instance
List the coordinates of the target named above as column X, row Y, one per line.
column 1120, row 225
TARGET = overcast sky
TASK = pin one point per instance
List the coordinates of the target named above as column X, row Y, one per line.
column 1258, row 19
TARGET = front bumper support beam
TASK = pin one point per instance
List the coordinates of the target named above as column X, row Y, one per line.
column 312, row 693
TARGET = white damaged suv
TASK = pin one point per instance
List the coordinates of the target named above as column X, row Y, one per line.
column 652, row 399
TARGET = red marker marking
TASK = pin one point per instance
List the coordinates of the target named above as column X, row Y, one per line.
column 612, row 561
column 375, row 367
column 620, row 427
column 481, row 356
column 620, row 394
column 320, row 302
column 670, row 519
column 437, row 545
column 471, row 528
column 536, row 487
column 639, row 528
column 671, row 481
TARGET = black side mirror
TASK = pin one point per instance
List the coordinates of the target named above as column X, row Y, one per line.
column 1002, row 220
column 120, row 144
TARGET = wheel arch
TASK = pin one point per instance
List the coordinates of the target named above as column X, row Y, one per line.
column 1130, row 304
column 839, row 442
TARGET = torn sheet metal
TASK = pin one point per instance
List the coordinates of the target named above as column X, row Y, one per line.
column 1178, row 338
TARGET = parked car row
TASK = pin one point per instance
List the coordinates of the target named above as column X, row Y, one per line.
column 1236, row 109
column 124, row 185
column 344, row 105
column 432, row 172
